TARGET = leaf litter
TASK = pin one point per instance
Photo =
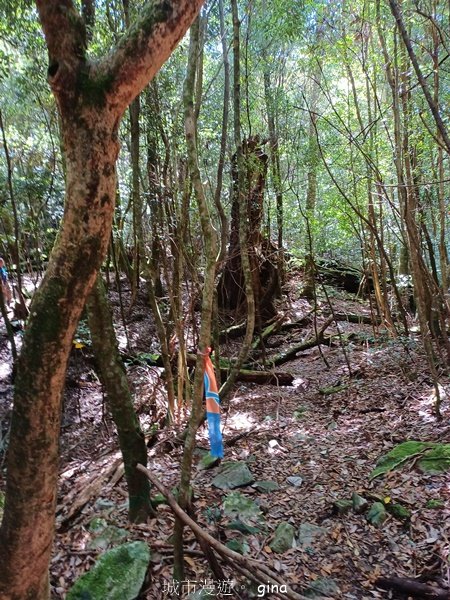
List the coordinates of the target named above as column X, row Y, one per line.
column 329, row 442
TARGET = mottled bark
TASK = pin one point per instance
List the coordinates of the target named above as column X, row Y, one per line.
column 91, row 99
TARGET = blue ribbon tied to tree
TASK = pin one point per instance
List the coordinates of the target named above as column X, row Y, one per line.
column 212, row 408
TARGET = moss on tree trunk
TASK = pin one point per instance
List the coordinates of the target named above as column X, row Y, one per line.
column 120, row 402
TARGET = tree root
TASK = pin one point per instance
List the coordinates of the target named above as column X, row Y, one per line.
column 412, row 587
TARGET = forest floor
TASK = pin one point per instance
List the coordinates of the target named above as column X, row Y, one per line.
column 326, row 431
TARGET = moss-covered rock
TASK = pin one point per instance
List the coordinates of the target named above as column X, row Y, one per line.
column 284, row 538
column 117, row 575
column 399, row 511
column 377, row 514
column 435, row 504
column 436, row 460
column 233, row 475
column 398, row 455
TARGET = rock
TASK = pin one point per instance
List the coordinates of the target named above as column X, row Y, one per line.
column 107, row 537
column 97, row 524
column 117, row 575
column 283, row 539
column 341, row 507
column 377, row 514
column 208, row 462
column 436, row 460
column 323, row 587
column 266, row 486
column 399, row 512
column 242, row 509
column 295, row 481
column 360, row 504
column 238, row 525
column 233, row 475
column 238, row 546
column 307, row 532
column 103, row 504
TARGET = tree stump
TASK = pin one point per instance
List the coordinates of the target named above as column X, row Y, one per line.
column 262, row 252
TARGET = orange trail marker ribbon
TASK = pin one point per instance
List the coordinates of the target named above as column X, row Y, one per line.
column 212, row 408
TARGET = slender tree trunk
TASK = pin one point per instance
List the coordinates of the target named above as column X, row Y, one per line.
column 275, row 167
column 120, row 402
column 210, row 251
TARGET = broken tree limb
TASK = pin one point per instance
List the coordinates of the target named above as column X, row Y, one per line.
column 253, row 569
column 412, row 587
column 291, row 353
column 86, row 489
column 261, row 377
column 359, row 319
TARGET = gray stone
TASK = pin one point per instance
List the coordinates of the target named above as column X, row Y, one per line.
column 377, row 514
column 283, row 539
column 233, row 475
column 117, row 575
column 341, row 507
column 322, row 587
column 295, row 481
column 107, row 537
column 360, row 504
column 308, row 532
column 266, row 486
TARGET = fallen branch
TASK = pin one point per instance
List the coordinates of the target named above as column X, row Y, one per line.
column 413, row 587
column 359, row 319
column 253, row 569
column 291, row 353
column 261, row 377
column 86, row 489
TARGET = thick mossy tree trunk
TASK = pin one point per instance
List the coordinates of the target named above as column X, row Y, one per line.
column 264, row 272
column 91, row 99
column 120, row 402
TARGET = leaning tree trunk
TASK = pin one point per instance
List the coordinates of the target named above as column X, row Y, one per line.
column 91, row 99
column 120, row 403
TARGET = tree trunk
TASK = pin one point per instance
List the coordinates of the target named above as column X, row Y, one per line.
column 28, row 523
column 91, row 99
column 210, row 252
column 120, row 402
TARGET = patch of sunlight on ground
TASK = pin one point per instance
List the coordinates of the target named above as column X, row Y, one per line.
column 240, row 420
column 425, row 404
